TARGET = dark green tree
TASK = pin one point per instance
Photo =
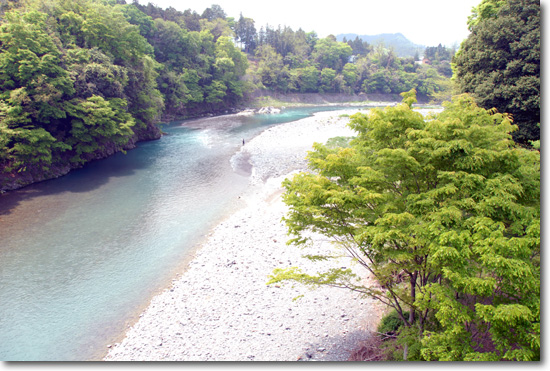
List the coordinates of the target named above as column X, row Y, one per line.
column 359, row 46
column 214, row 12
column 246, row 33
column 499, row 63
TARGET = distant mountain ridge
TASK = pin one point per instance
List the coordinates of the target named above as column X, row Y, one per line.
column 403, row 47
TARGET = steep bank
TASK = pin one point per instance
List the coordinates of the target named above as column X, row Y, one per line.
column 220, row 308
column 34, row 173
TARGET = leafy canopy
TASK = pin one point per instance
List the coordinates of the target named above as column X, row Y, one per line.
column 499, row 62
column 445, row 213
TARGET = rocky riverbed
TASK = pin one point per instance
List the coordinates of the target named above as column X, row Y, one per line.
column 220, row 308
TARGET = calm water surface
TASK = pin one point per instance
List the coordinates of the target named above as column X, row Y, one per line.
column 80, row 255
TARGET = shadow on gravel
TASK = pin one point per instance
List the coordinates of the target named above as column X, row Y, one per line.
column 336, row 348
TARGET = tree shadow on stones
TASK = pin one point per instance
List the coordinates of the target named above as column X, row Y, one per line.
column 353, row 346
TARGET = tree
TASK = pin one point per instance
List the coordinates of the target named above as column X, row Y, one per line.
column 271, row 70
column 218, row 27
column 350, row 74
column 97, row 122
column 444, row 213
column 485, row 10
column 173, row 44
column 30, row 60
column 328, row 76
column 106, row 28
column 246, row 33
column 230, row 65
column 329, row 53
column 214, row 12
column 192, row 20
column 140, row 19
column 308, row 79
column 499, row 62
column 359, row 46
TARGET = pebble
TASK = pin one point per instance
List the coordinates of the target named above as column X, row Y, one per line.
column 220, row 308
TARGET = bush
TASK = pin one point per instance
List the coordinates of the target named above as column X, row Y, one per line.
column 390, row 324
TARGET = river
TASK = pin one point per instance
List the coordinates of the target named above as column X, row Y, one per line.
column 82, row 255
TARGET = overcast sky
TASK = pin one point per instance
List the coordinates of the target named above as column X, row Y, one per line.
column 426, row 22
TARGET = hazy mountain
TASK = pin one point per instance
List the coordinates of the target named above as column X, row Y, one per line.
column 403, row 47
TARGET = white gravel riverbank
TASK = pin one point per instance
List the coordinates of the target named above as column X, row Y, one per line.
column 220, row 308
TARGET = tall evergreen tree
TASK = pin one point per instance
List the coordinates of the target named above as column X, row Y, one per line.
column 499, row 62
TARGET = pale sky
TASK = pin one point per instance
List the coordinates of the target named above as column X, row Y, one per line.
column 426, row 22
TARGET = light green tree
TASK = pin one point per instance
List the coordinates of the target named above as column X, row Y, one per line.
column 96, row 123
column 329, row 53
column 351, row 75
column 328, row 76
column 444, row 213
column 483, row 11
column 271, row 70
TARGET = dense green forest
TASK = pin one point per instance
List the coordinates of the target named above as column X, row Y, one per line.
column 296, row 61
column 83, row 79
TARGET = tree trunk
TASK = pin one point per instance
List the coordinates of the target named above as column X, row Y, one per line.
column 413, row 296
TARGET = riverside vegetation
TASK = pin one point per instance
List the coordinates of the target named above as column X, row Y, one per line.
column 84, row 79
column 444, row 213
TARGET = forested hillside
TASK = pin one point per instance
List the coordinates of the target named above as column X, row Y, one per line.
column 298, row 61
column 83, row 79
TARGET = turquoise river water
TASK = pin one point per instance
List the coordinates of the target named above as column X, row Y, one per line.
column 81, row 255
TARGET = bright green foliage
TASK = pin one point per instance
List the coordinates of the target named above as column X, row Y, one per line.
column 30, row 64
column 106, row 28
column 53, row 58
column 485, row 10
column 79, row 78
column 32, row 89
column 271, row 70
column 96, row 123
column 329, row 53
column 174, row 46
column 351, row 75
column 291, row 62
column 308, row 79
column 328, row 80
column 499, row 63
column 445, row 213
column 201, row 70
column 22, row 147
column 230, row 64
column 140, row 19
